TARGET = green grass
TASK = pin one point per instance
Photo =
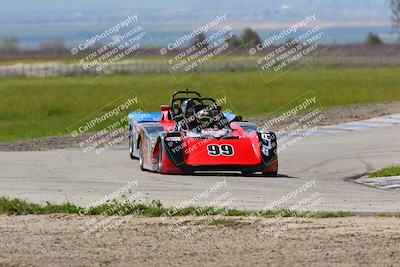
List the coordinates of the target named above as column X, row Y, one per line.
column 18, row 206
column 37, row 107
column 150, row 209
column 34, row 61
column 386, row 172
column 72, row 59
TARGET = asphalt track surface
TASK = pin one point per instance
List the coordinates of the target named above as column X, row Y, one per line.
column 82, row 178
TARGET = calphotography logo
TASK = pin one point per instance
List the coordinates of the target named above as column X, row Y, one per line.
column 294, row 208
column 116, row 209
column 105, row 50
column 204, row 208
column 286, row 49
column 106, row 127
column 295, row 121
column 208, row 123
column 193, row 51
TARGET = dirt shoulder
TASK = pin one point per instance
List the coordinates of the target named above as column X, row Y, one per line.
column 333, row 115
column 57, row 240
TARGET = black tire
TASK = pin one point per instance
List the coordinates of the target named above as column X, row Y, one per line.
column 131, row 148
column 160, row 157
column 141, row 157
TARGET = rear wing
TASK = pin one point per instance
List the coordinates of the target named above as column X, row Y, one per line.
column 137, row 117
column 229, row 116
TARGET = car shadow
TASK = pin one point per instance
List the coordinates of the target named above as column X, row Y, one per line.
column 280, row 175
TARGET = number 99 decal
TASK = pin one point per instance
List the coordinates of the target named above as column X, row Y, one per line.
column 217, row 150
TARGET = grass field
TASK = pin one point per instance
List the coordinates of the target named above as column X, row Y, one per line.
column 70, row 59
column 36, row 107
column 387, row 172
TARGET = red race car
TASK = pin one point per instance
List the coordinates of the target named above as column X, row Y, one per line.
column 192, row 134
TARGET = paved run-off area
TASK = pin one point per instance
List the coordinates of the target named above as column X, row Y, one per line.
column 83, row 178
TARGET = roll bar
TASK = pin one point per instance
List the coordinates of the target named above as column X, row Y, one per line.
column 186, row 92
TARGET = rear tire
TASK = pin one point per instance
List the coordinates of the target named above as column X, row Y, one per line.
column 141, row 157
column 131, row 148
column 160, row 158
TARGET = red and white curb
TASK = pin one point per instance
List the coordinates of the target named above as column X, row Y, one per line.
column 379, row 122
column 382, row 182
column 374, row 123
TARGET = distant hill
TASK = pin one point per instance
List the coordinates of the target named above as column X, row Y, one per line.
column 35, row 21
